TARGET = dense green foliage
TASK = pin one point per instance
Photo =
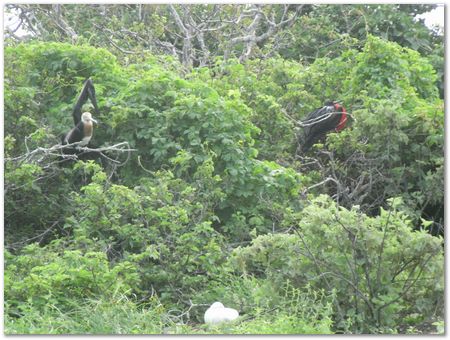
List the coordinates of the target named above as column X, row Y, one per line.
column 303, row 33
column 356, row 256
column 213, row 204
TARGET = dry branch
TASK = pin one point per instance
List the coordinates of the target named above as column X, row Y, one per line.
column 40, row 154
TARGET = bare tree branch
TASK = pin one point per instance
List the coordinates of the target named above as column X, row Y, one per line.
column 187, row 52
column 61, row 24
column 39, row 154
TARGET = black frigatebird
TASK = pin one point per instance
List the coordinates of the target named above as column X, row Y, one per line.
column 332, row 116
column 82, row 132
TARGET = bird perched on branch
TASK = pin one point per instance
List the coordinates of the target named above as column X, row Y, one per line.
column 331, row 117
column 82, row 132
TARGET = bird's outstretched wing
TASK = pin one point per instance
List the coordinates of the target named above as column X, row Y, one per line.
column 88, row 91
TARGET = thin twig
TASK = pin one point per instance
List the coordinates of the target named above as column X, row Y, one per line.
column 41, row 235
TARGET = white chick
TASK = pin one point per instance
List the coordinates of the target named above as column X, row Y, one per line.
column 217, row 313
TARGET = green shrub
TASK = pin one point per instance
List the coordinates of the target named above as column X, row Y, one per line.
column 40, row 278
column 163, row 226
column 380, row 268
column 43, row 81
column 268, row 308
column 393, row 144
column 118, row 315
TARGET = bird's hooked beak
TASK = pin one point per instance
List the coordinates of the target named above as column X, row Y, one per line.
column 95, row 121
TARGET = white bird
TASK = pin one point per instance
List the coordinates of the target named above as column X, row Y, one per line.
column 217, row 313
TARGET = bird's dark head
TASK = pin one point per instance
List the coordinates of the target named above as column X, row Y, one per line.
column 334, row 103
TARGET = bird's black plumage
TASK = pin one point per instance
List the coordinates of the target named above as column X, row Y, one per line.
column 83, row 122
column 331, row 116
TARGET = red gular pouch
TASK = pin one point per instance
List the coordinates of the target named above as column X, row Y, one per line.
column 338, row 107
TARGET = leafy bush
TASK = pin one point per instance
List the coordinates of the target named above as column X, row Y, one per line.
column 41, row 86
column 393, row 146
column 164, row 116
column 163, row 227
column 266, row 308
column 269, row 88
column 380, row 269
column 44, row 79
column 118, row 315
column 43, row 279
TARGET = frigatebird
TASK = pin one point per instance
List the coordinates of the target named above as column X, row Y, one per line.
column 331, row 117
column 82, row 132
